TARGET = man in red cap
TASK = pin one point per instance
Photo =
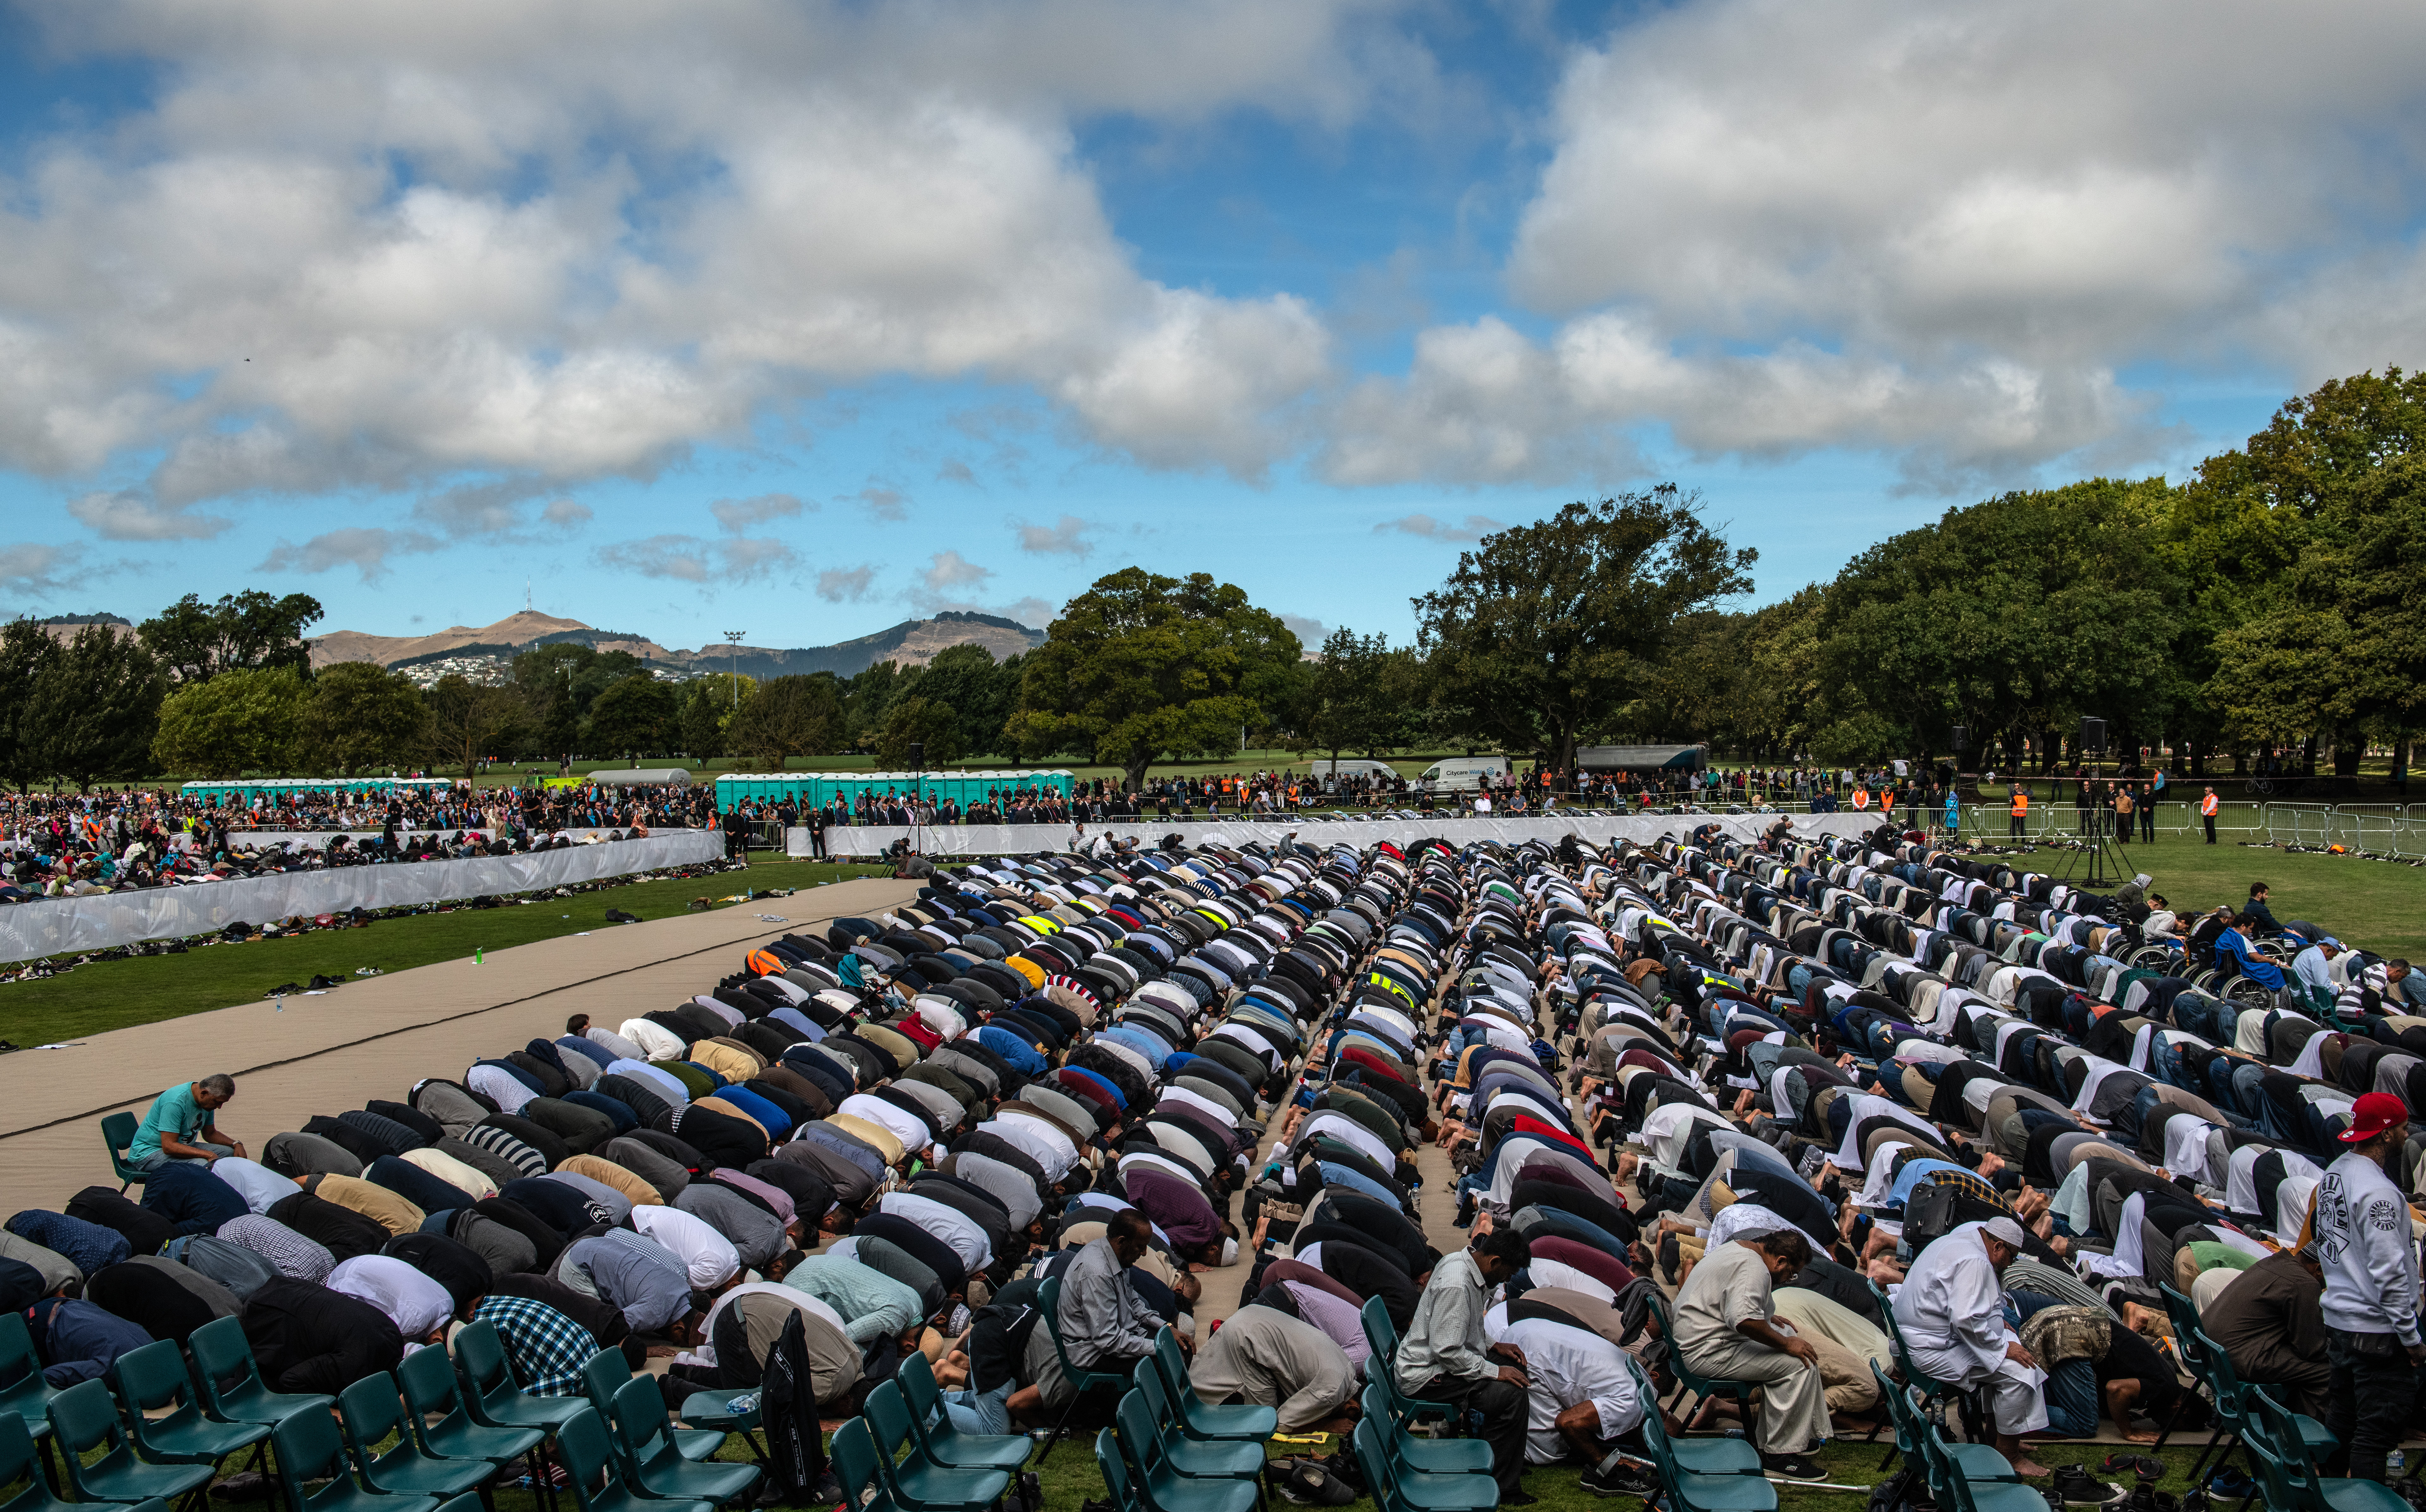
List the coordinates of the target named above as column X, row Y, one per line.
column 2370, row 1304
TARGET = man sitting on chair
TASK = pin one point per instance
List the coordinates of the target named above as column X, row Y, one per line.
column 1951, row 1314
column 1725, row 1330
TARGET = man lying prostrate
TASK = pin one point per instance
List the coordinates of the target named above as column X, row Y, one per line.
column 1583, row 1396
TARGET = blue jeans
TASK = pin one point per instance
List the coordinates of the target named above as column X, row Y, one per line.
column 2072, row 1399
column 982, row 1412
column 153, row 1163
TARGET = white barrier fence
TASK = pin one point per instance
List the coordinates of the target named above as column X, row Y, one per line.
column 51, row 926
column 1017, row 840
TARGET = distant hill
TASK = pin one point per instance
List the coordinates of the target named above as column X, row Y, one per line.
column 911, row 642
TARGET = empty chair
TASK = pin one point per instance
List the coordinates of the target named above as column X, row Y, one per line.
column 605, row 1374
column 1160, row 1489
column 2288, row 1475
column 371, row 1411
column 85, row 1418
column 654, row 1467
column 917, row 1486
column 1432, row 1456
column 1417, row 1491
column 17, row 1455
column 1977, row 1462
column 944, row 1444
column 589, row 1457
column 1690, row 1491
column 154, row 1378
column 118, row 1133
column 27, row 1394
column 854, row 1465
column 431, row 1390
column 1200, row 1418
column 1196, row 1459
column 229, row 1380
column 309, row 1449
column 1956, row 1492
column 496, row 1400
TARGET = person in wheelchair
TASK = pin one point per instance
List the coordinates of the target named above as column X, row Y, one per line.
column 2233, row 948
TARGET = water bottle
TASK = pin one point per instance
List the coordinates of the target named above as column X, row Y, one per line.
column 2395, row 1462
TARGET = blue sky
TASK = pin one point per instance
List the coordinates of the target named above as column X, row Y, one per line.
column 804, row 318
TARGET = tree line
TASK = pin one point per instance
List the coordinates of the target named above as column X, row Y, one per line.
column 2259, row 609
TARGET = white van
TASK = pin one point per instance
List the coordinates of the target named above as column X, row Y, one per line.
column 1354, row 768
column 1464, row 774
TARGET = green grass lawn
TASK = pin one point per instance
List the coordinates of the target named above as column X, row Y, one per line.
column 116, row 994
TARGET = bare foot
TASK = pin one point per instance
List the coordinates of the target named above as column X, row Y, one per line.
column 2031, row 1469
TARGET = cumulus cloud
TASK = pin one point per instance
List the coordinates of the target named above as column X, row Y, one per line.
column 1066, row 536
column 846, row 585
column 36, row 571
column 889, row 505
column 1309, row 631
column 135, row 514
column 736, row 515
column 566, row 514
column 1475, row 528
column 693, row 559
column 367, row 549
column 949, row 570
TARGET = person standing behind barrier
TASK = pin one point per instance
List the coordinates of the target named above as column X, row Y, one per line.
column 2122, row 807
column 1954, row 814
column 2020, row 810
column 2149, row 812
column 2206, row 814
column 2370, row 1303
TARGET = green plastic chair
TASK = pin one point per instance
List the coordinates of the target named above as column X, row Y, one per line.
column 309, row 1449
column 854, row 1465
column 589, row 1456
column 2232, row 1402
column 118, row 1133
column 941, row 1443
column 1698, row 1456
column 1107, row 1459
column 1158, row 1487
column 229, row 1382
column 1196, row 1459
column 1959, row 1492
column 605, row 1374
column 1704, row 1387
column 85, row 1418
column 1382, row 1339
column 154, row 1378
column 496, row 1400
column 1979, row 1462
column 17, row 1458
column 430, row 1392
column 27, row 1395
column 1245, row 1422
column 915, row 1484
column 2193, row 1356
column 1430, row 1456
column 371, row 1411
column 652, row 1466
column 1048, row 1299
column 2288, row 1475
column 1690, row 1491
column 1413, row 1489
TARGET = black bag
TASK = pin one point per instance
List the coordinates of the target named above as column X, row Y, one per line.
column 796, row 1450
column 1935, row 1210
column 1903, row 1491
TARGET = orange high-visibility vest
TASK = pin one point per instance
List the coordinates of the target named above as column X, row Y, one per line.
column 1861, row 797
column 2021, row 805
column 2206, row 806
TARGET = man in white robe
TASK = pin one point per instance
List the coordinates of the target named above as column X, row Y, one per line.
column 1951, row 1310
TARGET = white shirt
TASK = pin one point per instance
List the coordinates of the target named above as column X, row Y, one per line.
column 1336, row 1125
column 815, row 1307
column 414, row 1303
column 1951, row 1304
column 901, row 1123
column 653, row 1040
column 708, row 1256
column 455, row 1173
column 507, row 1092
column 950, row 1224
column 1565, row 1367
column 665, row 1084
column 1040, row 1141
column 260, row 1186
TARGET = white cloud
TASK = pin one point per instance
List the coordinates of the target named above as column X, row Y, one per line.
column 1066, row 536
column 692, row 559
column 1033, row 612
column 889, row 505
column 134, row 514
column 36, row 571
column 1309, row 631
column 949, row 570
column 737, row 515
column 1475, row 528
column 566, row 514
column 365, row 548
column 846, row 585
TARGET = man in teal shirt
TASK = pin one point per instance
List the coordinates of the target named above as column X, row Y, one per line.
column 180, row 1126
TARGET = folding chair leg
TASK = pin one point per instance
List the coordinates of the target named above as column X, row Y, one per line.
column 2231, row 1440
column 2172, row 1418
column 1892, row 1451
column 51, row 1465
column 1059, row 1425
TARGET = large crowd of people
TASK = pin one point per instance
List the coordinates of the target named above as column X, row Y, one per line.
column 1771, row 1112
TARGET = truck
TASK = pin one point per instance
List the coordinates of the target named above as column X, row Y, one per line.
column 1463, row 774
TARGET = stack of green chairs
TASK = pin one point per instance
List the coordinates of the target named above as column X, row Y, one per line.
column 1428, row 1456
column 1957, row 1490
column 2287, row 1467
column 370, row 1411
column 1199, row 1419
column 1977, row 1462
column 2232, row 1406
column 1198, row 1460
column 1690, row 1491
column 605, row 1374
column 588, row 1456
column 917, row 1484
column 1148, row 1478
column 1395, row 1488
column 308, row 1449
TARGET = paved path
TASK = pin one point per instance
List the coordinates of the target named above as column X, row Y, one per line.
column 375, row 1037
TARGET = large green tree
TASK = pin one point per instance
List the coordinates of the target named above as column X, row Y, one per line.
column 928, row 723
column 1139, row 665
column 361, row 717
column 980, row 691
column 243, row 719
column 26, row 649
column 1545, row 632
column 1346, row 700
column 196, row 641
column 469, row 721
column 94, row 707
column 788, row 716
column 634, row 715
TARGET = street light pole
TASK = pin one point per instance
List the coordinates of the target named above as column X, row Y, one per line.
column 733, row 639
